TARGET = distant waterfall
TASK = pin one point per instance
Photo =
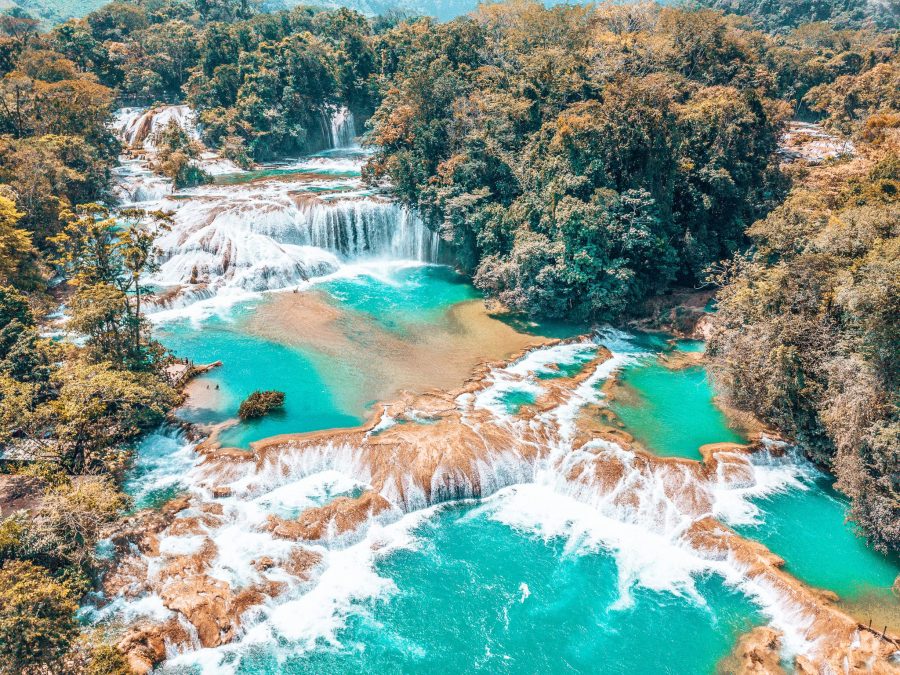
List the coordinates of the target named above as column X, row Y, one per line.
column 342, row 128
column 369, row 228
column 136, row 127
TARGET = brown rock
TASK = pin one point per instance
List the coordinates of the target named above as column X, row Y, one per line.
column 144, row 646
column 804, row 666
column 264, row 563
column 212, row 508
column 20, row 492
column 757, row 653
column 337, row 517
column 301, row 563
column 143, row 527
column 447, row 459
column 205, row 602
column 679, row 360
column 127, row 579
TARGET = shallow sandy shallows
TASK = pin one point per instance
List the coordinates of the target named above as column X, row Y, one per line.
column 203, row 394
column 437, row 354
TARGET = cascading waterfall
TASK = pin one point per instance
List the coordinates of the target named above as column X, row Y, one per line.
column 342, row 128
column 647, row 510
column 310, row 219
column 258, row 242
column 135, row 127
column 136, row 184
column 234, row 576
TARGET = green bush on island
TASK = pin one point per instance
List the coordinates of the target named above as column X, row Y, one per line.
column 260, row 403
column 176, row 153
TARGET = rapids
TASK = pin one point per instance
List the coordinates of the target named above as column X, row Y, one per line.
column 440, row 513
column 274, row 228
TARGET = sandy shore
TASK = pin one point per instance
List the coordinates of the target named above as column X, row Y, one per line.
column 202, row 394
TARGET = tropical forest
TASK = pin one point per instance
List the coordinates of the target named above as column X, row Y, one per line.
column 406, row 336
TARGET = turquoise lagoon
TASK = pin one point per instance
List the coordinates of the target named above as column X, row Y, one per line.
column 397, row 299
column 672, row 413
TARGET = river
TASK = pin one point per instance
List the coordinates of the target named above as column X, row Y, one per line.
column 299, row 278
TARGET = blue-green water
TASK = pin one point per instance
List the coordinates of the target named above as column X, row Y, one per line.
column 514, row 400
column 670, row 411
column 474, row 594
column 250, row 363
column 407, row 296
column 397, row 299
column 808, row 528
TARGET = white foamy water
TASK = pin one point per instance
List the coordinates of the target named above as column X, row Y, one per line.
column 651, row 559
column 342, row 128
column 162, row 462
column 136, row 127
column 136, row 185
column 771, row 475
column 269, row 238
column 231, row 242
column 642, row 522
column 310, row 219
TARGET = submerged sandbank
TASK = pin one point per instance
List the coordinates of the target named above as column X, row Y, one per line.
column 440, row 353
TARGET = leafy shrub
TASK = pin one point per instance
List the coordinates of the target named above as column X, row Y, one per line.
column 37, row 617
column 107, row 660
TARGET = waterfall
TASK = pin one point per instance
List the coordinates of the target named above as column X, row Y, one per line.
column 311, row 219
column 267, row 239
column 135, row 126
column 136, row 184
column 342, row 128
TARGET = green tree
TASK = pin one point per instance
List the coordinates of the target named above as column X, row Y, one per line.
column 106, row 258
column 175, row 157
column 17, row 255
column 260, row 403
column 98, row 411
column 37, row 618
column 807, row 328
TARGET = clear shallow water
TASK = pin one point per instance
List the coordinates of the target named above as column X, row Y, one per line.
column 250, row 363
column 476, row 591
column 313, row 383
column 808, row 528
column 406, row 296
column 670, row 411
